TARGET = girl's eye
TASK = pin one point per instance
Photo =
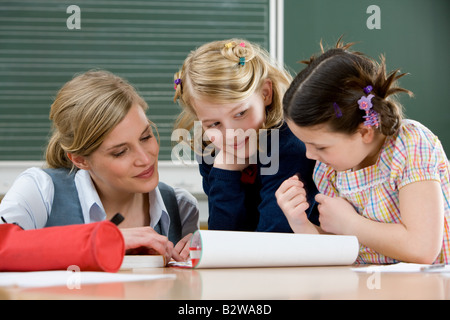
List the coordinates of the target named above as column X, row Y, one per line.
column 215, row 124
column 240, row 114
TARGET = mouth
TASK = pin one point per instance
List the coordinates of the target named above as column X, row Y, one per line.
column 240, row 144
column 146, row 173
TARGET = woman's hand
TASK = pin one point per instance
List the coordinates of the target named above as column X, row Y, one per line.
column 145, row 240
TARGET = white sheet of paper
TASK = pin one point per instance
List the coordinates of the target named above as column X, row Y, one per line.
column 70, row 278
column 402, row 267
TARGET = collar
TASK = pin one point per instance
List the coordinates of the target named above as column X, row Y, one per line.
column 93, row 210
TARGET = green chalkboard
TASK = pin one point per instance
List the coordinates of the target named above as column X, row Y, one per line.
column 413, row 35
column 42, row 45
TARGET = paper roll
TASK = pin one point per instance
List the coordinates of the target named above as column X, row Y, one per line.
column 231, row 249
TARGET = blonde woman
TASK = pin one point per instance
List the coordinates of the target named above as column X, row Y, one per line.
column 102, row 159
column 234, row 90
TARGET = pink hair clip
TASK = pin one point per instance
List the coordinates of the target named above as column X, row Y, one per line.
column 242, row 44
column 365, row 103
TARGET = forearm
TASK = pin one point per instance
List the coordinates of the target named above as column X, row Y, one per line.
column 393, row 240
column 306, row 227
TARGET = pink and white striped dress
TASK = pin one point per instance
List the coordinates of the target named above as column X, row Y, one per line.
column 414, row 154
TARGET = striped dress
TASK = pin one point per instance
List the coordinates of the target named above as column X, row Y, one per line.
column 415, row 154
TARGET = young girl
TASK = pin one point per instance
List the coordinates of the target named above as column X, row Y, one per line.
column 235, row 89
column 380, row 177
column 102, row 159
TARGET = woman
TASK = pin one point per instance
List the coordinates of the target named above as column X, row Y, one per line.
column 102, row 159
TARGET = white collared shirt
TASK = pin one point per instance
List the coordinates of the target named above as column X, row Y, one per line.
column 29, row 202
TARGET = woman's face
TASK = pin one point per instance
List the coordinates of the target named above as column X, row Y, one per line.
column 126, row 161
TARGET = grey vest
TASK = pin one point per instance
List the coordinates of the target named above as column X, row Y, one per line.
column 66, row 208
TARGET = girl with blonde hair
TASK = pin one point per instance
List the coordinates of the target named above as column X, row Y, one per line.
column 234, row 89
column 102, row 159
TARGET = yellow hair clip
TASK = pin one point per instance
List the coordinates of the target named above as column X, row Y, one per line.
column 229, row 45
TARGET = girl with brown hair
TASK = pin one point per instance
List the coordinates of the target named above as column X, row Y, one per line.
column 382, row 178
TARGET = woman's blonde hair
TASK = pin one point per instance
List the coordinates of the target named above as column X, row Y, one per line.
column 215, row 71
column 85, row 110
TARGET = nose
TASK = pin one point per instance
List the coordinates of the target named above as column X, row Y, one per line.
column 143, row 156
column 234, row 133
column 310, row 154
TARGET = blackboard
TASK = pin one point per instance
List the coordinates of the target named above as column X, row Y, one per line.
column 42, row 45
column 413, row 35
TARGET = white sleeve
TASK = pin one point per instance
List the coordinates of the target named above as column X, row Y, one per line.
column 29, row 200
column 188, row 209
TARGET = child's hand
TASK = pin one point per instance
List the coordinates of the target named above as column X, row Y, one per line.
column 291, row 197
column 335, row 214
column 181, row 250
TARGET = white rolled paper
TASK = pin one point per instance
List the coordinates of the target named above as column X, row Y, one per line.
column 232, row 249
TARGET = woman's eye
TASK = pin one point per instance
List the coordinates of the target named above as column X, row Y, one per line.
column 118, row 154
column 147, row 137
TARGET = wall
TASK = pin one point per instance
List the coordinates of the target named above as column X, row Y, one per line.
column 414, row 37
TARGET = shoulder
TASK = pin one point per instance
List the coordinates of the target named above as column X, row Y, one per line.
column 182, row 195
column 29, row 200
column 34, row 179
column 415, row 154
column 36, row 176
column 415, row 142
column 412, row 132
column 185, row 197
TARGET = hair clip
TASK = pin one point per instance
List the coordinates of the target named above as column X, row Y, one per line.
column 177, row 82
column 371, row 119
column 242, row 61
column 229, row 45
column 337, row 110
column 368, row 89
column 242, row 44
column 365, row 103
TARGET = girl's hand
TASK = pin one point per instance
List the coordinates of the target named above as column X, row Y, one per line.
column 181, row 250
column 335, row 214
column 145, row 240
column 291, row 197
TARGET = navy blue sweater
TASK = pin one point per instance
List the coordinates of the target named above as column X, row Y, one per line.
column 240, row 205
